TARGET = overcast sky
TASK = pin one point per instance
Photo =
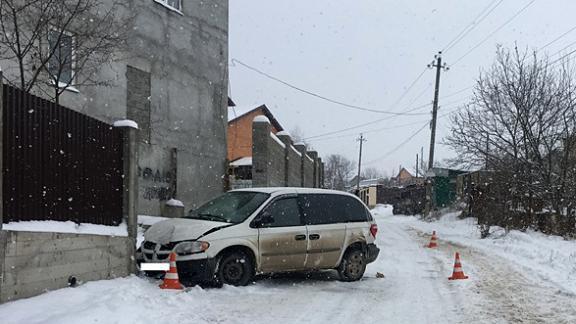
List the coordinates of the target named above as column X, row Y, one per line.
column 367, row 53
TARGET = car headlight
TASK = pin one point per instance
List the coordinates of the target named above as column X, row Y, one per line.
column 186, row 248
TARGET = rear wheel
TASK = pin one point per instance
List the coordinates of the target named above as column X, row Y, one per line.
column 235, row 268
column 352, row 266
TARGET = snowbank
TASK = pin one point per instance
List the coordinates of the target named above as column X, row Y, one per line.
column 66, row 227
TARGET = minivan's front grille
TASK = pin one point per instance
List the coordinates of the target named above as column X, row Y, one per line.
column 166, row 247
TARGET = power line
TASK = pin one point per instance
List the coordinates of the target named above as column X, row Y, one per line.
column 410, row 87
column 340, row 103
column 561, row 58
column 477, row 20
column 557, row 38
column 322, row 137
column 494, row 32
column 399, row 145
column 408, row 139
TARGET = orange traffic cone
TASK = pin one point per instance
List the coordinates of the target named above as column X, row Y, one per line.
column 458, row 273
column 171, row 280
column 433, row 239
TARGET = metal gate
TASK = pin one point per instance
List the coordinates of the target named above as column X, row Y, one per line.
column 59, row 164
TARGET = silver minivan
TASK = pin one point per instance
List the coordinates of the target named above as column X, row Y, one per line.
column 267, row 230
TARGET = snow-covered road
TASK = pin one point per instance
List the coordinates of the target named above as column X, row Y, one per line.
column 415, row 289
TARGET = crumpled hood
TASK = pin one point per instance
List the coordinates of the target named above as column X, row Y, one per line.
column 174, row 230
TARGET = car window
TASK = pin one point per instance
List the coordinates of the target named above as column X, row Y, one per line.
column 355, row 211
column 285, row 212
column 323, row 209
column 232, row 207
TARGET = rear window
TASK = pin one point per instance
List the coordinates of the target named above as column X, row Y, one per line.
column 323, row 209
column 355, row 210
column 329, row 208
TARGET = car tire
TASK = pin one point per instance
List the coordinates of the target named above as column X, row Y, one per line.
column 353, row 265
column 235, row 269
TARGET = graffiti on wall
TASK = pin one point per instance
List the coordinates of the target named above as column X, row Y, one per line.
column 157, row 184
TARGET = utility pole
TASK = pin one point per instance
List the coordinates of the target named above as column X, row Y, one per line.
column 361, row 139
column 416, row 165
column 430, row 194
column 439, row 67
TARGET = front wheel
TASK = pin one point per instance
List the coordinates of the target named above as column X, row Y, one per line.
column 352, row 266
column 235, row 268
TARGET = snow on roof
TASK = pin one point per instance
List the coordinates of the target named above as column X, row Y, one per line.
column 261, row 119
column 245, row 161
column 126, row 123
column 299, row 144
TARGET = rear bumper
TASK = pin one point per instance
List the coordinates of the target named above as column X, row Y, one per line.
column 372, row 252
column 196, row 271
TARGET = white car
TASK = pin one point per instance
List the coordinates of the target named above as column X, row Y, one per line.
column 267, row 230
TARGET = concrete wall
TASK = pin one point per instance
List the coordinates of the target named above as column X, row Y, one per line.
column 186, row 59
column 32, row 262
column 278, row 163
column 308, row 175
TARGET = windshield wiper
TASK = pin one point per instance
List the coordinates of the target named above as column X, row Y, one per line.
column 213, row 217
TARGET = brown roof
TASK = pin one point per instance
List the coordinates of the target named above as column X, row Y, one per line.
column 266, row 113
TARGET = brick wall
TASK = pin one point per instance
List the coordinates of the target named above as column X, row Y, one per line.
column 240, row 134
column 33, row 262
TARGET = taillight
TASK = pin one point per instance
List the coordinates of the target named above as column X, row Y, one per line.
column 374, row 230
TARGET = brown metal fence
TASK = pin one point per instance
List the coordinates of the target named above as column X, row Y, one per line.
column 59, row 164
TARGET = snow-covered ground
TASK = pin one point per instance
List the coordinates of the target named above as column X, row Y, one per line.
column 520, row 277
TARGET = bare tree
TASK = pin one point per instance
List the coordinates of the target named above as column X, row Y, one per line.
column 298, row 137
column 519, row 124
column 337, row 171
column 56, row 44
column 372, row 173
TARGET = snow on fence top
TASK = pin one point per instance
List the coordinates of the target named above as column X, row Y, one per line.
column 295, row 150
column 66, row 227
column 245, row 161
column 274, row 137
column 126, row 123
column 261, row 119
column 174, row 203
column 283, row 133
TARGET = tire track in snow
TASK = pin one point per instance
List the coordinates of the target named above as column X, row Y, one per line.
column 512, row 296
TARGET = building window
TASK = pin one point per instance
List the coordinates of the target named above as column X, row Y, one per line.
column 61, row 64
column 172, row 4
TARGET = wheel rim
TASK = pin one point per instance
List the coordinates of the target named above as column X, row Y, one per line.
column 355, row 265
column 232, row 271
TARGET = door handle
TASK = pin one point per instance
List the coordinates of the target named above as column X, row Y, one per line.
column 300, row 237
column 314, row 236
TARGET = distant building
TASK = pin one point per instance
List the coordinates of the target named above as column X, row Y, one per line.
column 405, row 178
column 240, row 129
column 240, row 141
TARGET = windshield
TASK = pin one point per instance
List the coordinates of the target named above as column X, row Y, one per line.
column 231, row 207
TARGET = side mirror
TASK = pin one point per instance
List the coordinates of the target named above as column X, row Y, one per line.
column 265, row 218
